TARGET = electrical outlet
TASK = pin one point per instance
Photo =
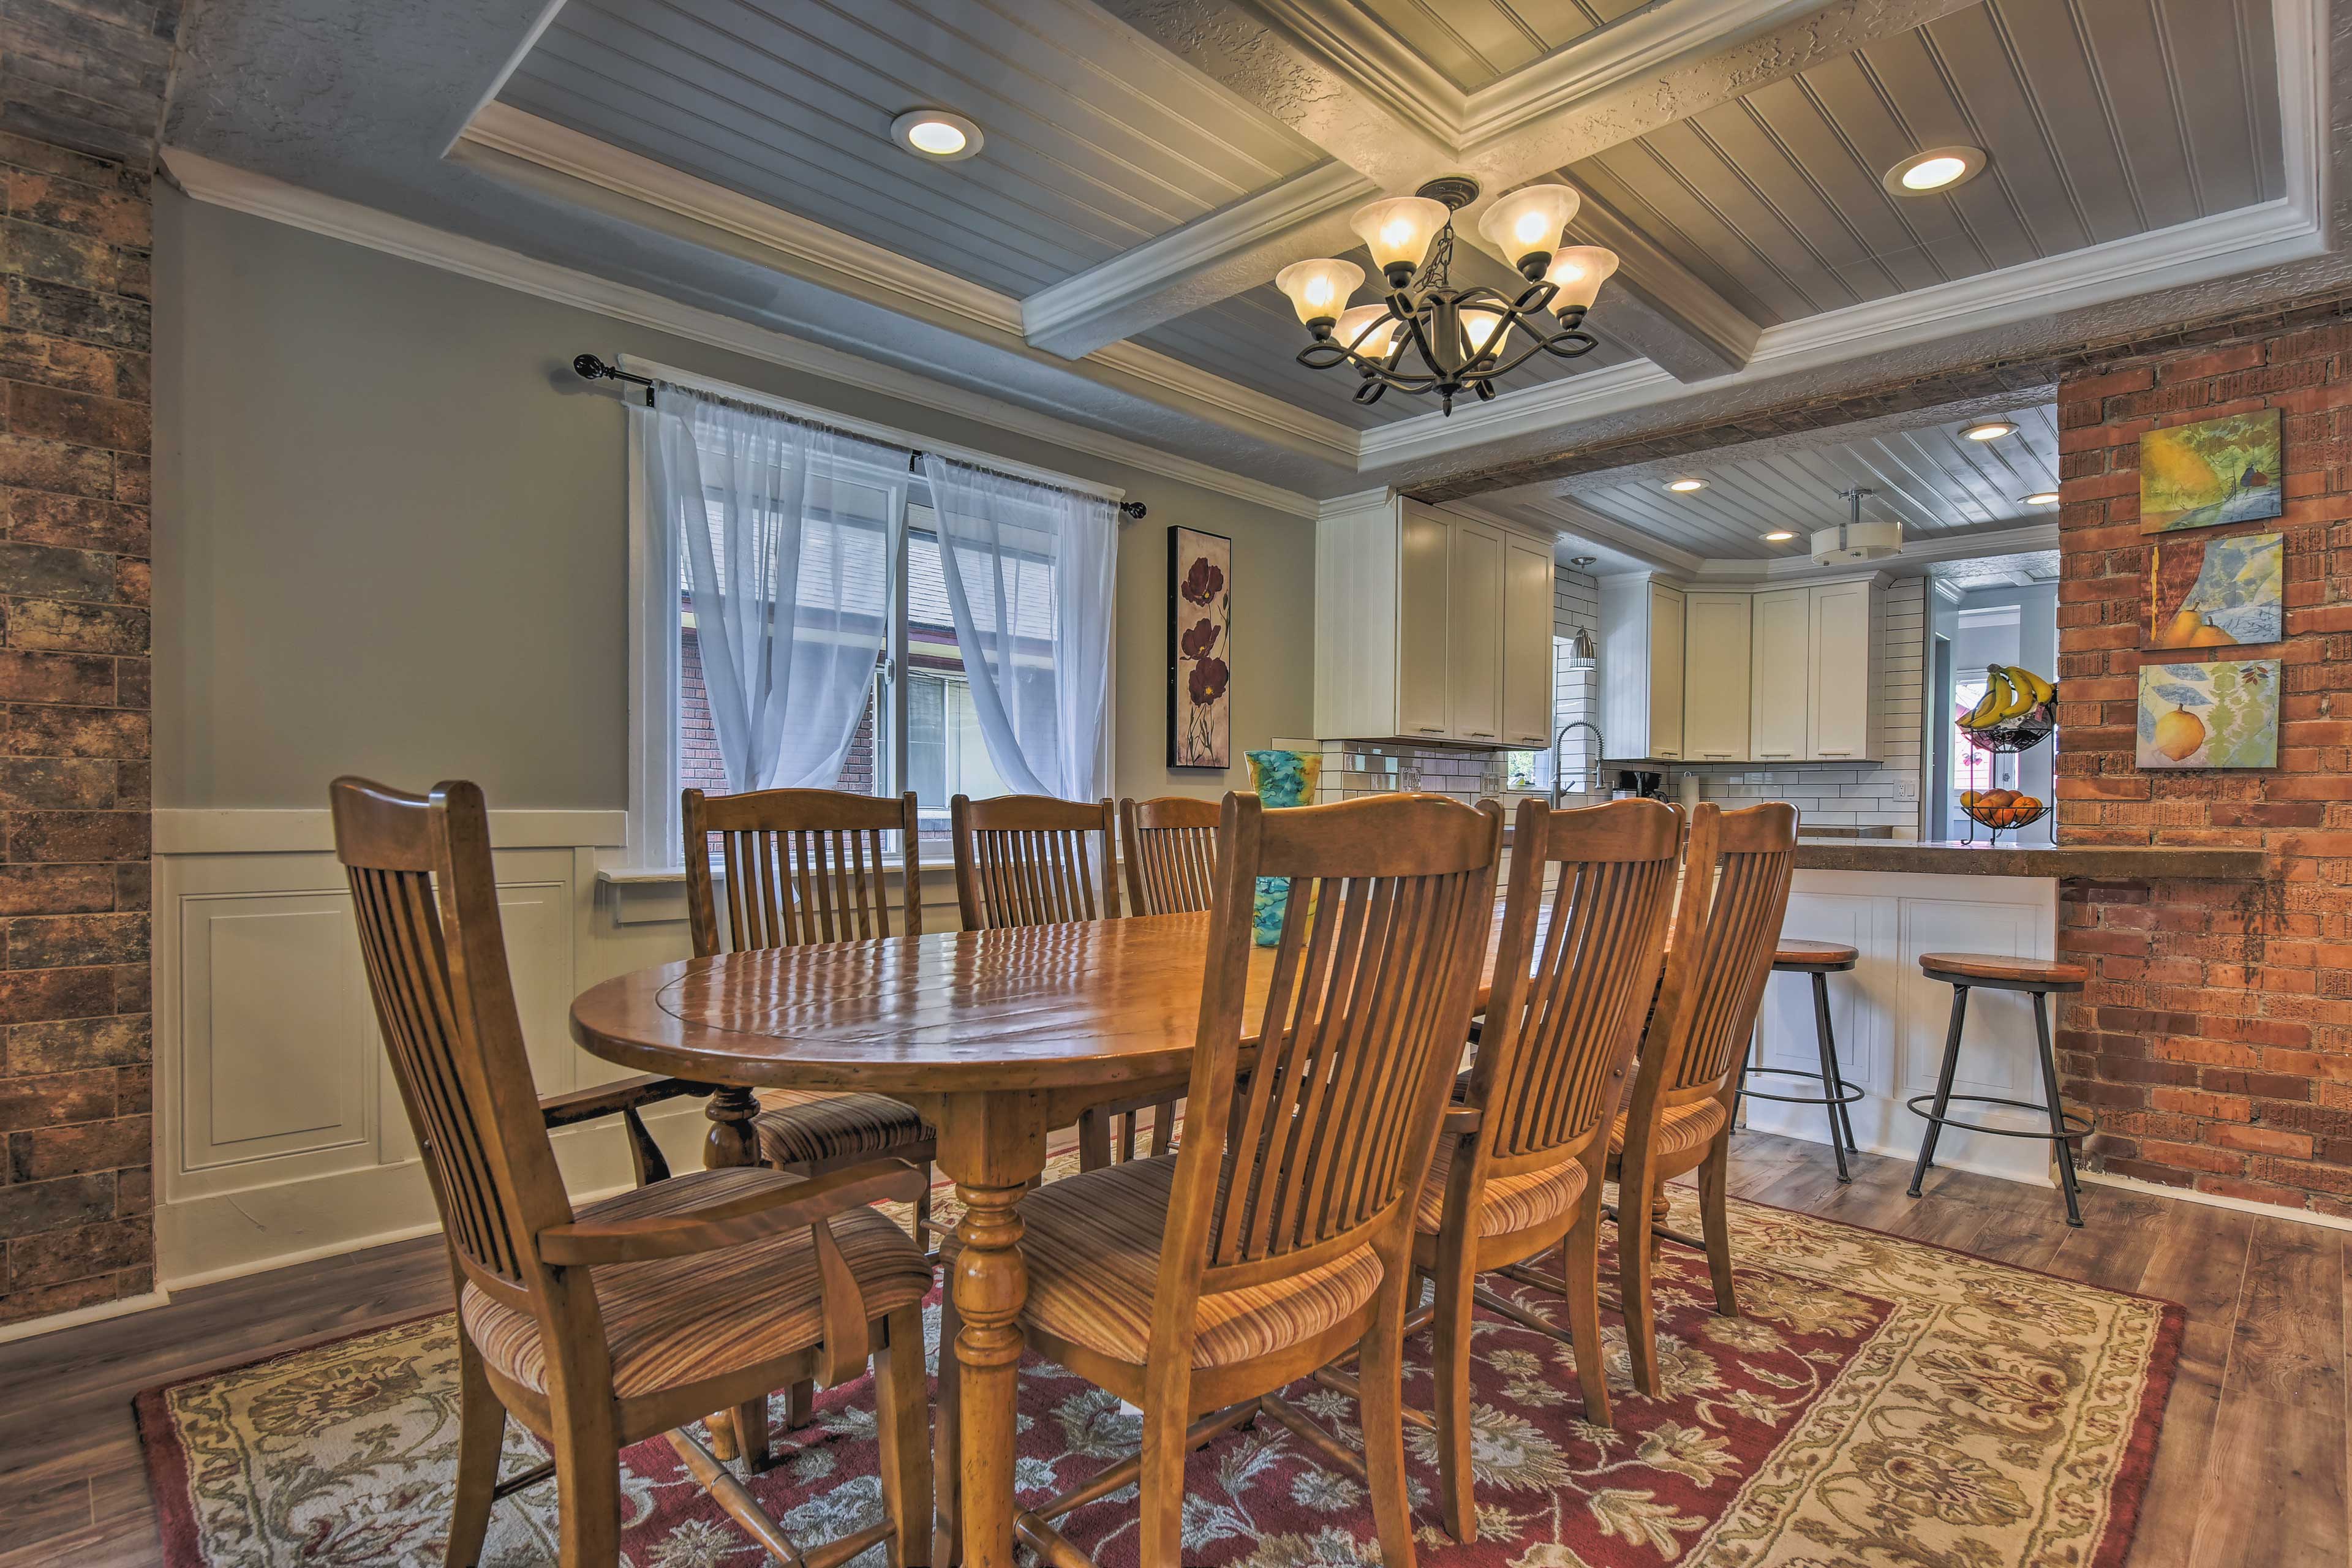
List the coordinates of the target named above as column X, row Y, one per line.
column 1906, row 789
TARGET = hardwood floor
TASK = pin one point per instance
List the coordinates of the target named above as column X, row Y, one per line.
column 2251, row 1468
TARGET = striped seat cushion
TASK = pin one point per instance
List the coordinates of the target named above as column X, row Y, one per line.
column 1092, row 1242
column 799, row 1127
column 1682, row 1130
column 1509, row 1203
column 680, row 1320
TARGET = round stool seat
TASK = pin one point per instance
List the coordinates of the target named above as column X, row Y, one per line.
column 1796, row 956
column 2002, row 972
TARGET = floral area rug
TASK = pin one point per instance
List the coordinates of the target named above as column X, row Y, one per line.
column 1879, row 1402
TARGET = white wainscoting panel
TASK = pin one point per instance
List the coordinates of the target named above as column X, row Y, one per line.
column 280, row 1133
column 1890, row 1020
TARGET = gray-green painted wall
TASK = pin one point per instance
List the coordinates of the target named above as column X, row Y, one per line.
column 390, row 534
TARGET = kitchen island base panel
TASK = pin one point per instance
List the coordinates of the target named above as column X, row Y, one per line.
column 1889, row 1020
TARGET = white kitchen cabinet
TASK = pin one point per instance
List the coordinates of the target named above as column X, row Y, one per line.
column 1843, row 685
column 1528, row 598
column 1716, row 652
column 1780, row 683
column 1474, row 671
column 1430, row 626
column 1642, row 633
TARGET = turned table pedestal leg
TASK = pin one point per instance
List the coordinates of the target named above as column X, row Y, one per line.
column 992, row 1146
column 731, row 1144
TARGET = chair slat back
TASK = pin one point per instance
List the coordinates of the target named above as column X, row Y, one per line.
column 802, row 866
column 1367, row 1005
column 1570, row 998
column 1735, row 894
column 1169, row 846
column 1031, row 859
column 426, row 896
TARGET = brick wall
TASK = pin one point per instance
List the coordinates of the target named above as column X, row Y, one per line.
column 80, row 94
column 2215, row 1038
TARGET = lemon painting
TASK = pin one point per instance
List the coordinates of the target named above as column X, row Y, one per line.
column 2216, row 593
column 2221, row 715
column 2216, row 472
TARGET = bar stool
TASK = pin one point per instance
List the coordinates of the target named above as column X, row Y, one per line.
column 1820, row 959
column 2039, row 978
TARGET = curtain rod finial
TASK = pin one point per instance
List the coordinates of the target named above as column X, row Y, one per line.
column 1132, row 509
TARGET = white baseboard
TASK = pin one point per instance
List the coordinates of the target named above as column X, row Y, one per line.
column 2215, row 1200
column 35, row 1327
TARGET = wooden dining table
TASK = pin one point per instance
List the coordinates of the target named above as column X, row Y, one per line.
column 994, row 1037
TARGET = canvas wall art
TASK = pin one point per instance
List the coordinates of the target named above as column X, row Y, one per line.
column 1199, row 650
column 2216, row 593
column 2214, row 472
column 2220, row 715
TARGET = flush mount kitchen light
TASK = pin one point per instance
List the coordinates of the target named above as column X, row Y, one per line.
column 1778, row 536
column 938, row 134
column 2043, row 498
column 1684, row 487
column 1939, row 169
column 1991, row 430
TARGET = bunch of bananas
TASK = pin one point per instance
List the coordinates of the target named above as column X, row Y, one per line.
column 2010, row 693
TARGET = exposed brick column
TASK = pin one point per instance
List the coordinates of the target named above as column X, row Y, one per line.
column 2215, row 1039
column 81, row 92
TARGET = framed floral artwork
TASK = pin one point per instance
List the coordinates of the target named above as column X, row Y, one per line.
column 1199, row 650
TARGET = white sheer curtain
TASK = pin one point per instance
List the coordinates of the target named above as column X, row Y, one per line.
column 789, row 532
column 1029, row 570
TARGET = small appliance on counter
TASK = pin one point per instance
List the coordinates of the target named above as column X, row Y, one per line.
column 1634, row 784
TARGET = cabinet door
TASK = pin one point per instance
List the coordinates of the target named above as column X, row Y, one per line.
column 1474, row 594
column 1842, row 671
column 1527, row 603
column 1780, row 676
column 1424, row 648
column 1665, row 672
column 1715, row 677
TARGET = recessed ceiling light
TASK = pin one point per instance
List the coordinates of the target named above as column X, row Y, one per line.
column 1939, row 169
column 2043, row 498
column 1683, row 487
column 1779, row 536
column 938, row 134
column 1991, row 430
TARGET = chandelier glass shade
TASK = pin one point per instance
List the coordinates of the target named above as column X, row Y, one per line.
column 1424, row 335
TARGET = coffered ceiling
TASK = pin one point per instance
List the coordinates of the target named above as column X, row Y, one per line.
column 1103, row 266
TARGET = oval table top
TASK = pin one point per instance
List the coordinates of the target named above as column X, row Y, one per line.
column 1091, row 1003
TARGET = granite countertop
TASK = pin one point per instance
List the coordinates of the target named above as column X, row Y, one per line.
column 2096, row 862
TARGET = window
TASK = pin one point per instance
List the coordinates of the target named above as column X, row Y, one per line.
column 869, row 577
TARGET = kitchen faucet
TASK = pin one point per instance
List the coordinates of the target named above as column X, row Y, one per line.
column 1592, row 780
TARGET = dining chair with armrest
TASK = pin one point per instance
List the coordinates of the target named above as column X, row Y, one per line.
column 599, row 1325
column 1519, row 1159
column 1736, row 867
column 1280, row 1234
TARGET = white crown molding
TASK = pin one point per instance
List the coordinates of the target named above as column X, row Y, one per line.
column 852, row 266
column 1564, row 516
column 1650, row 42
column 1356, row 501
column 1115, row 301
column 259, row 195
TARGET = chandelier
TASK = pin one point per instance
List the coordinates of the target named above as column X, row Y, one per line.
column 1426, row 335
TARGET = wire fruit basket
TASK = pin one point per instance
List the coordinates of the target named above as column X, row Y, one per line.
column 2023, row 733
column 2002, row 811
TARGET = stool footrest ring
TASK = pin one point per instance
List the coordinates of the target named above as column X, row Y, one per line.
column 1852, row 1095
column 2077, row 1126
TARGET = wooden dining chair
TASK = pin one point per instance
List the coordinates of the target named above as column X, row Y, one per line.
column 1519, row 1162
column 1031, row 859
column 1194, row 1286
column 599, row 1325
column 1736, row 867
column 806, row 866
column 1167, row 851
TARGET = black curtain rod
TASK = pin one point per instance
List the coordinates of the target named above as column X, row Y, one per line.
column 590, row 368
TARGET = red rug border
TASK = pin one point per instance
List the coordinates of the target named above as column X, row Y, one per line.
column 166, row 1460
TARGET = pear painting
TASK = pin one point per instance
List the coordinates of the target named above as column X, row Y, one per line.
column 2218, row 593
column 2222, row 715
column 2215, row 471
